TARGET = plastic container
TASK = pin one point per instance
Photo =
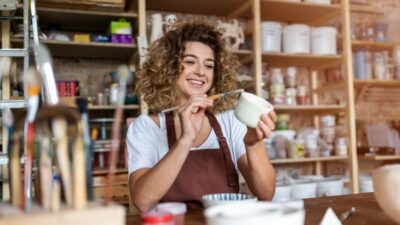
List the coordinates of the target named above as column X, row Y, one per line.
column 323, row 41
column 157, row 218
column 296, row 39
column 271, row 36
column 177, row 209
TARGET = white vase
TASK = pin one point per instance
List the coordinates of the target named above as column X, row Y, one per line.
column 156, row 27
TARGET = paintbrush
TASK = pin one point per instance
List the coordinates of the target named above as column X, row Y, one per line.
column 46, row 176
column 79, row 193
column 213, row 97
column 82, row 106
column 123, row 74
column 55, row 194
column 44, row 65
column 33, row 81
column 60, row 133
column 8, row 124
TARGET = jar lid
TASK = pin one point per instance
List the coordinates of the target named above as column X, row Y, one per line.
column 176, row 208
column 157, row 217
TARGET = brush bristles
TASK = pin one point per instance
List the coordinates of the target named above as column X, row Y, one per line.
column 33, row 81
column 123, row 73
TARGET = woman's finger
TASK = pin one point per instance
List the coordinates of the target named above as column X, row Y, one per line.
column 266, row 131
column 268, row 121
column 273, row 116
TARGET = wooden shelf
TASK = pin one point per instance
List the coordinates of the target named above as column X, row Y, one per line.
column 96, row 50
column 377, row 83
column 307, row 160
column 310, row 108
column 79, row 20
column 372, row 46
column 210, row 7
column 299, row 12
column 306, row 60
column 244, row 56
column 380, row 157
column 100, row 172
column 377, row 90
column 112, row 107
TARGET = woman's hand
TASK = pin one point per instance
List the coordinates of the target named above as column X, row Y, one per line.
column 263, row 130
column 191, row 116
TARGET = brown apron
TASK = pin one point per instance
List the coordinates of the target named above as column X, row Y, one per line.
column 205, row 171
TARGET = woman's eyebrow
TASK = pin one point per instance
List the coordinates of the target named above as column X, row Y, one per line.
column 194, row 56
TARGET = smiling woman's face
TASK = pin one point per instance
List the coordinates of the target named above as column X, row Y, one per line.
column 198, row 69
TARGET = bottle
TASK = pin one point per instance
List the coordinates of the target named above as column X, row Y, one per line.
column 113, row 94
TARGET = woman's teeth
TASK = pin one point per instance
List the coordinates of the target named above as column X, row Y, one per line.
column 196, row 82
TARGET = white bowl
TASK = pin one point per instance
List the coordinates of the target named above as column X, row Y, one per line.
column 282, row 193
column 387, row 185
column 226, row 198
column 254, row 213
column 303, row 190
column 330, row 187
column 250, row 107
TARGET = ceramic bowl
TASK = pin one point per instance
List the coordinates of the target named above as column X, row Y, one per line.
column 386, row 181
column 282, row 193
column 254, row 213
column 226, row 198
column 250, row 107
column 303, row 190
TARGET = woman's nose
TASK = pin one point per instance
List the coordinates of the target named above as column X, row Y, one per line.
column 200, row 70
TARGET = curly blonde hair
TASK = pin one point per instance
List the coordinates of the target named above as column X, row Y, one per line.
column 157, row 77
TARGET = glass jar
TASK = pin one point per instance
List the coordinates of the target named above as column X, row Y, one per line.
column 282, row 122
column 341, row 146
column 301, row 95
column 291, row 96
column 291, row 77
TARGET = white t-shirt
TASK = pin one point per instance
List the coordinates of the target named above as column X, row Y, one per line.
column 148, row 143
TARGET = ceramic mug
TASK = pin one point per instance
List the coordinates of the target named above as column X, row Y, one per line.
column 250, row 107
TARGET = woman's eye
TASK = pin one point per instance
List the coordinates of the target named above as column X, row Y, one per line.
column 189, row 62
column 210, row 66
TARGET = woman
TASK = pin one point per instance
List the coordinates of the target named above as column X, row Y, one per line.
column 199, row 148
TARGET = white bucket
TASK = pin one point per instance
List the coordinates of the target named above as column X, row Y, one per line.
column 271, row 36
column 324, row 2
column 323, row 41
column 296, row 39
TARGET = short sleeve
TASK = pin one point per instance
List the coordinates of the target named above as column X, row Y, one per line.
column 140, row 141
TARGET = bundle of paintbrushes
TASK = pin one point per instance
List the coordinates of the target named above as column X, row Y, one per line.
column 55, row 140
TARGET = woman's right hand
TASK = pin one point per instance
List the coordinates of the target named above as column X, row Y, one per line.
column 191, row 116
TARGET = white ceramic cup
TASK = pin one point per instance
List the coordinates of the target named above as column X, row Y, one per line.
column 250, row 107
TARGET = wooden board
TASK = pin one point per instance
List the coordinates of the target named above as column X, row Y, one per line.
column 95, row 214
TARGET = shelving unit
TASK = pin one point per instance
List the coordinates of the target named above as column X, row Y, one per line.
column 373, row 46
column 318, row 109
column 314, row 14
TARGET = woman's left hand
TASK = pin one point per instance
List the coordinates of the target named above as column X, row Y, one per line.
column 263, row 130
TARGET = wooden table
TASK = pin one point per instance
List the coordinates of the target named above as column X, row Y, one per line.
column 368, row 211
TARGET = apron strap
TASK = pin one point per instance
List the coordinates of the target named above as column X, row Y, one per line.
column 169, row 119
column 230, row 167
